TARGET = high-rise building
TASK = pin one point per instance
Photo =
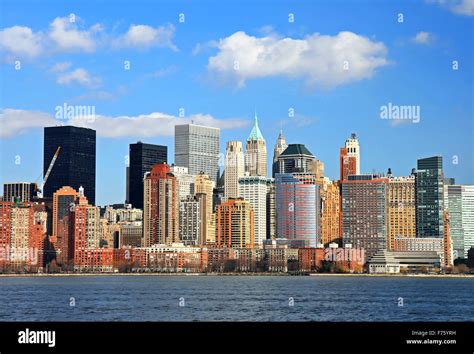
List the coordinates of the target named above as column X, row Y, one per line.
column 256, row 152
column 364, row 212
column 254, row 190
column 185, row 181
column 429, row 197
column 349, row 158
column 330, row 211
column 280, row 146
column 190, row 221
column 459, row 203
column 197, row 148
column 234, row 168
column 75, row 163
column 235, row 224
column 161, row 206
column 142, row 158
column 296, row 158
column 85, row 223
column 271, row 209
column 205, row 186
column 401, row 209
column 19, row 191
column 63, row 203
column 297, row 210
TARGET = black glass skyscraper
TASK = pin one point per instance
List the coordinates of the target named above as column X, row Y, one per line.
column 429, row 197
column 75, row 165
column 142, row 158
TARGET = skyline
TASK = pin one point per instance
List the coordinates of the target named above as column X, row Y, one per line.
column 413, row 67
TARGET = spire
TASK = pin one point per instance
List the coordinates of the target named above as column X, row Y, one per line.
column 255, row 134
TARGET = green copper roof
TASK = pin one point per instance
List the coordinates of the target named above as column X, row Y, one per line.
column 255, row 134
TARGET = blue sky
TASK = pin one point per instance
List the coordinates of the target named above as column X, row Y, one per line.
column 281, row 65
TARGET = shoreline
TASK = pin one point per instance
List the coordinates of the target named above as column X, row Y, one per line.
column 239, row 274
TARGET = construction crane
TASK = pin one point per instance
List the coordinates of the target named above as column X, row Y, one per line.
column 40, row 190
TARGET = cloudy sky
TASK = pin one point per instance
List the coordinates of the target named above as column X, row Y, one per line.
column 145, row 66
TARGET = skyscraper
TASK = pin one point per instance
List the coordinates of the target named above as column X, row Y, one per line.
column 330, row 211
column 142, row 158
column 256, row 152
column 429, row 191
column 75, row 164
column 401, row 209
column 364, row 212
column 197, row 148
column 204, row 185
column 297, row 210
column 280, row 146
column 254, row 190
column 185, row 181
column 161, row 206
column 234, row 168
column 271, row 209
column 459, row 203
column 349, row 158
column 190, row 221
column 235, row 224
column 296, row 158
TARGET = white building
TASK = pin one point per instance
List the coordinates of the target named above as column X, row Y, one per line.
column 185, row 181
column 353, row 149
column 234, row 167
column 254, row 190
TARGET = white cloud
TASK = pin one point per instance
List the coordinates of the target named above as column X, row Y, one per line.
column 458, row 7
column 20, row 41
column 319, row 60
column 60, row 67
column 14, row 121
column 80, row 76
column 143, row 36
column 68, row 37
column 17, row 121
column 423, row 38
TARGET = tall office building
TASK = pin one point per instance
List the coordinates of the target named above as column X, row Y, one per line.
column 297, row 210
column 459, row 203
column 142, row 158
column 235, row 224
column 254, row 190
column 20, row 191
column 364, row 212
column 280, row 146
column 63, row 203
column 75, row 164
column 234, row 168
column 190, row 221
column 197, row 148
column 296, row 158
column 256, row 152
column 349, row 158
column 401, row 209
column 161, row 206
column 429, row 191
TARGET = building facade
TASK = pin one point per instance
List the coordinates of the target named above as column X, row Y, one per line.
column 234, row 168
column 142, row 157
column 280, row 146
column 256, row 152
column 21, row 191
column 161, row 206
column 254, row 190
column 296, row 158
column 235, row 224
column 197, row 148
column 75, row 164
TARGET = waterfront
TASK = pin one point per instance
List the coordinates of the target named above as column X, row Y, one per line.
column 236, row 298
